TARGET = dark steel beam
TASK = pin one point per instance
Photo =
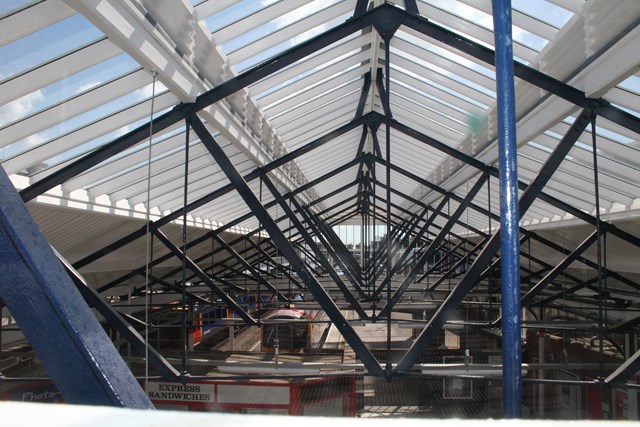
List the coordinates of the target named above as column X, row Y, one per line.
column 522, row 71
column 54, row 318
column 333, row 244
column 626, row 326
column 548, row 300
column 285, row 247
column 137, row 341
column 177, row 252
column 553, row 201
column 277, row 265
column 411, row 7
column 610, row 273
column 277, row 63
column 628, row 369
column 428, row 253
column 364, row 95
column 170, row 286
column 228, row 188
column 528, row 297
column 457, row 265
column 618, row 116
column 152, row 263
column 212, row 96
column 361, row 7
column 111, row 247
column 438, row 264
column 308, row 240
column 248, row 266
column 416, row 239
column 469, row 280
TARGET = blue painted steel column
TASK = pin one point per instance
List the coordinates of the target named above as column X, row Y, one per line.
column 55, row 319
column 510, row 245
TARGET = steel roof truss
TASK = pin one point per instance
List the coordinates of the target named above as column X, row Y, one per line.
column 176, row 251
column 284, row 246
column 469, row 280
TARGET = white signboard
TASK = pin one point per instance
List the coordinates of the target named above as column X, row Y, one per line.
column 181, row 392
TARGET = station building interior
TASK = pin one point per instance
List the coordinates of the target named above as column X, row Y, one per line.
column 355, row 208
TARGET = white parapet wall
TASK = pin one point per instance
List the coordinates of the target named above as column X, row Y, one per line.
column 62, row 415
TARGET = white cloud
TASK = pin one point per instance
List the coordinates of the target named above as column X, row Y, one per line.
column 88, row 86
column 36, row 139
column 147, row 91
column 20, row 107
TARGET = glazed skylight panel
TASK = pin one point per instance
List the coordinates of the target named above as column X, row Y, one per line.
column 438, row 61
column 309, row 161
column 622, row 137
column 346, row 92
column 334, row 182
column 71, row 88
column 94, row 132
column 303, row 88
column 254, row 25
column 540, row 18
column 470, row 23
column 166, row 174
column 46, row 44
column 331, row 107
column 56, row 69
column 435, row 47
column 576, row 196
column 347, row 46
column 435, row 106
column 406, row 147
column 306, row 104
column 434, row 81
column 220, row 14
column 418, row 161
column 333, row 114
column 318, row 165
column 616, row 145
column 13, row 6
column 217, row 210
column 223, row 210
column 331, row 88
column 172, row 139
column 317, row 91
column 579, row 175
column 426, row 121
column 611, row 171
column 433, row 92
column 19, row 21
column 90, row 99
column 227, row 208
column 399, row 182
column 626, row 94
column 129, row 169
column 274, row 37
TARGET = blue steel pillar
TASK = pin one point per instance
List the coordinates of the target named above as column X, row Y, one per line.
column 66, row 336
column 510, row 245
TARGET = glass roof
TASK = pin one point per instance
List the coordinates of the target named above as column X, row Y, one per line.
column 81, row 80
